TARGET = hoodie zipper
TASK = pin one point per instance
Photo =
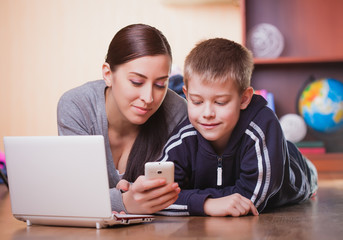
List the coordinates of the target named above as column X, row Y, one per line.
column 219, row 171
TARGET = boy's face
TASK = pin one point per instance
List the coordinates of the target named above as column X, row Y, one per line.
column 214, row 109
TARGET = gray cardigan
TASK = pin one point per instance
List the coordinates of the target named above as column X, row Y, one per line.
column 81, row 111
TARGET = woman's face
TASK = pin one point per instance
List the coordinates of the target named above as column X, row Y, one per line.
column 138, row 87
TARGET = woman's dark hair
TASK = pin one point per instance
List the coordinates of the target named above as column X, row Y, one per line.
column 131, row 42
column 134, row 41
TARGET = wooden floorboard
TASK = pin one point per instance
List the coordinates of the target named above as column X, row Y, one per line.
column 318, row 218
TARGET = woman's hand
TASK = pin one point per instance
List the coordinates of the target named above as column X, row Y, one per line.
column 149, row 196
column 123, row 185
column 233, row 205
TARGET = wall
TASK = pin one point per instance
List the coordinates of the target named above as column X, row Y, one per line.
column 50, row 46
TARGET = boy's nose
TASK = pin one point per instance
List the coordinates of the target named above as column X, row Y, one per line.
column 208, row 111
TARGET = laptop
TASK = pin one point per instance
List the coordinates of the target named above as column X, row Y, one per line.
column 61, row 180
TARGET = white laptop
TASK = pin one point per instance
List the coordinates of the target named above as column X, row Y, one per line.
column 61, row 180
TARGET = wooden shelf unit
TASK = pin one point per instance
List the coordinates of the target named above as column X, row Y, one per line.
column 312, row 31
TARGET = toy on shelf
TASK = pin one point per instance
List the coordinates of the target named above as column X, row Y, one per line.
column 311, row 147
column 3, row 177
column 321, row 105
column 268, row 96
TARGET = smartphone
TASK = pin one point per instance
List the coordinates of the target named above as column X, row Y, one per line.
column 160, row 170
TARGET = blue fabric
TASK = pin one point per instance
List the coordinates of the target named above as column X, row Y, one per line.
column 176, row 84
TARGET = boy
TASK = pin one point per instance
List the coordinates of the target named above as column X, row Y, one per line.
column 231, row 155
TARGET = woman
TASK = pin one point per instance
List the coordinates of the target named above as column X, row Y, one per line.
column 134, row 111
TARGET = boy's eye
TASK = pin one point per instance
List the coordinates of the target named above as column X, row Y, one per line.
column 221, row 103
column 196, row 102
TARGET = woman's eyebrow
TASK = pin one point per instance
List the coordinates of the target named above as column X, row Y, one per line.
column 163, row 77
column 139, row 74
column 143, row 76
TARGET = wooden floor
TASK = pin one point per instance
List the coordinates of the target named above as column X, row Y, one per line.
column 318, row 218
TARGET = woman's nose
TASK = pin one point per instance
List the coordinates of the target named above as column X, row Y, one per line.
column 147, row 94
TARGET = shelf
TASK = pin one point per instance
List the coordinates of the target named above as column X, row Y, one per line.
column 297, row 60
column 312, row 49
column 310, row 28
column 328, row 162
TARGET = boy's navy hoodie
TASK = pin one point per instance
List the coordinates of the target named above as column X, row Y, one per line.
column 258, row 163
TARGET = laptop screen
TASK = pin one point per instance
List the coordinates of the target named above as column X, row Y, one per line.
column 58, row 176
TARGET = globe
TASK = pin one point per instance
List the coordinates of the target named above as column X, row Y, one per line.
column 321, row 105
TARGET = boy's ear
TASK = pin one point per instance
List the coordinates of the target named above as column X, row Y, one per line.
column 246, row 97
column 107, row 74
column 184, row 89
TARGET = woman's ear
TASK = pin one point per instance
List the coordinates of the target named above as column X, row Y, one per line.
column 107, row 74
column 184, row 89
column 246, row 97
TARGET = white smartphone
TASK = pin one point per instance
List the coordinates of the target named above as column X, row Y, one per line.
column 160, row 170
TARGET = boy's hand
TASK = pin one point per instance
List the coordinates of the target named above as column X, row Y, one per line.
column 233, row 205
column 146, row 196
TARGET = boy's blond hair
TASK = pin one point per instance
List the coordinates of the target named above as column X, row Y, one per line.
column 220, row 59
